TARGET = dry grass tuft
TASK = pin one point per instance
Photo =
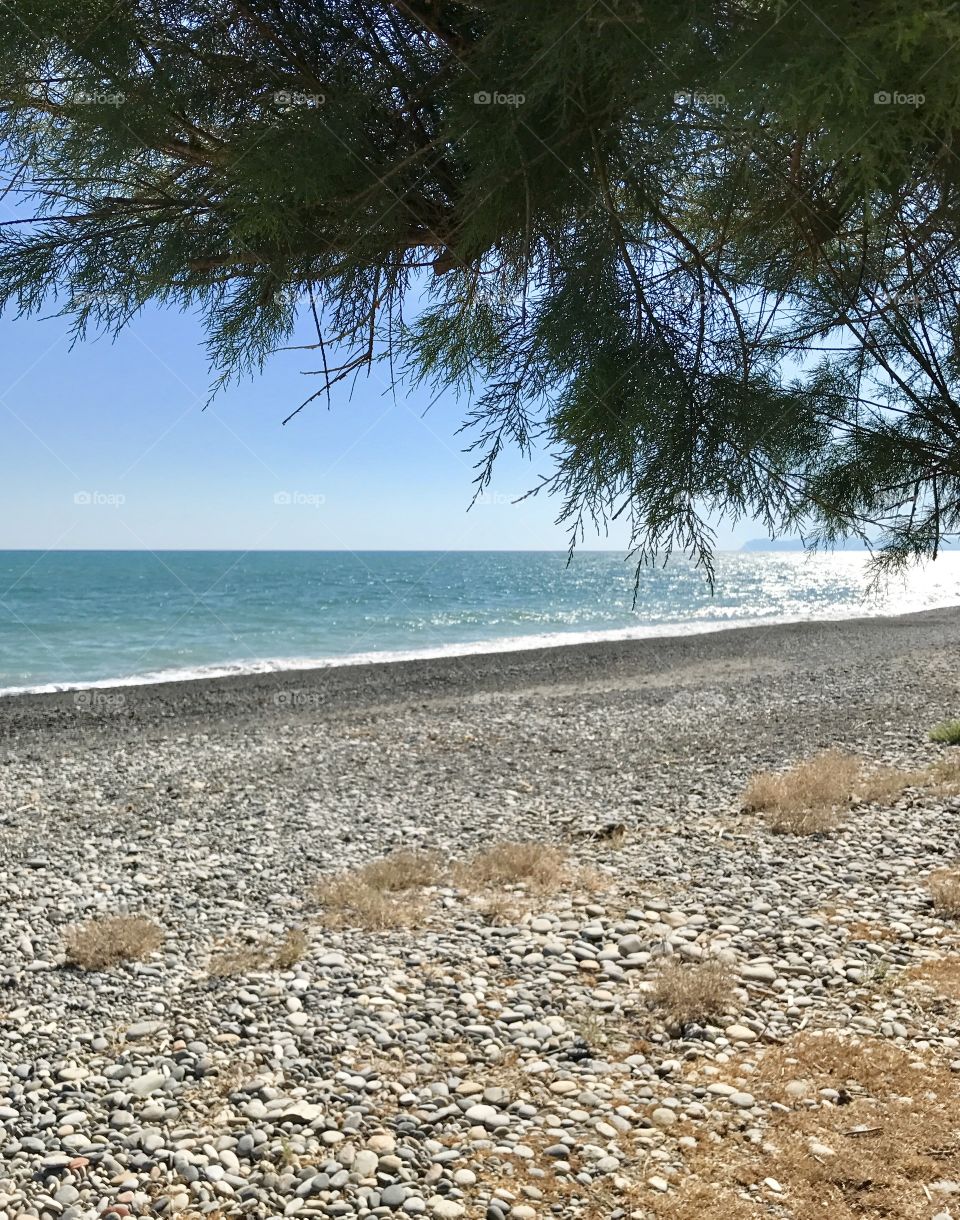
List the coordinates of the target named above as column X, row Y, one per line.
column 880, row 1154
column 805, row 799
column 830, row 1060
column 101, row 943
column 947, row 732
column 348, row 901
column 502, row 910
column 804, row 821
column 539, row 866
column 944, row 887
column 886, row 784
column 688, row 992
column 403, row 870
column 234, row 959
column 941, row 975
column 945, row 775
column 377, row 896
column 701, row 1201
column 810, row 797
column 291, row 949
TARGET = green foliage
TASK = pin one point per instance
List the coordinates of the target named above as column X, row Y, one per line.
column 947, row 733
column 705, row 254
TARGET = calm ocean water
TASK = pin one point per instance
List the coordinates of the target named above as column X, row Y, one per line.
column 75, row 618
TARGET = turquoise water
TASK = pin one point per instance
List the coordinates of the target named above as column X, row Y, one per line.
column 72, row 618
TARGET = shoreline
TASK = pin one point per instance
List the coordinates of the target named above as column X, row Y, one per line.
column 535, row 642
column 604, row 664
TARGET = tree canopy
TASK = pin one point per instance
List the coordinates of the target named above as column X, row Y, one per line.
column 705, row 253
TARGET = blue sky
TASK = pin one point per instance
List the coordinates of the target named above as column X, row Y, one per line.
column 107, row 445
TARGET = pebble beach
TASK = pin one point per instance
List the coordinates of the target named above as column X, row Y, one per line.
column 499, row 1057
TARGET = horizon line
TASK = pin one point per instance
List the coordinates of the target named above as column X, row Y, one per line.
column 360, row 550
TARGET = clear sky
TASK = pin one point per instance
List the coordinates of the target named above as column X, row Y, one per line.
column 107, row 445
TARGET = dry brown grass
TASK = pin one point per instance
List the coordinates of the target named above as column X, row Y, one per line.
column 381, row 895
column 101, row 943
column 830, row 1060
column 232, row 960
column 402, row 870
column 378, row 896
column 810, row 797
column 807, row 798
column 539, row 866
column 348, row 901
column 700, row 1201
column 243, row 958
column 945, row 775
column 883, row 785
column 688, row 992
column 200, row 1097
column 897, row 1135
column 944, row 887
column 291, row 949
column 894, row 1139
column 941, row 975
column 804, row 821
column 502, row 910
column 876, row 1155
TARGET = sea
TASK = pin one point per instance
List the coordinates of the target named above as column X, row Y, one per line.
column 76, row 619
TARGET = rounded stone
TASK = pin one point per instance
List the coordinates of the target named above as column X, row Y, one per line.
column 393, row 1196
column 446, row 1209
column 365, row 1163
